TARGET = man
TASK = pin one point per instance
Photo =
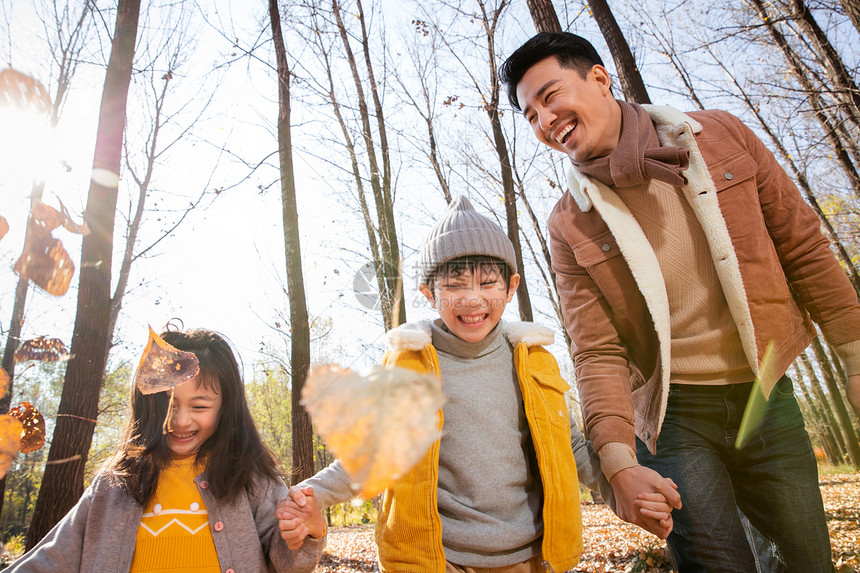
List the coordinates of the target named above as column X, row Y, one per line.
column 682, row 253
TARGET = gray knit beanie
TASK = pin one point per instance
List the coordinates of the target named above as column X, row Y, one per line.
column 460, row 232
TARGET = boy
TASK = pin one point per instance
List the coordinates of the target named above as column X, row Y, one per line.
column 499, row 490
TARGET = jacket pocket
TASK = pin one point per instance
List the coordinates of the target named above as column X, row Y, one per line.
column 732, row 170
column 596, row 249
column 551, row 389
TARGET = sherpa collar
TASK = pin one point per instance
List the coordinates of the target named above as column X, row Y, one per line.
column 670, row 124
column 673, row 128
column 416, row 335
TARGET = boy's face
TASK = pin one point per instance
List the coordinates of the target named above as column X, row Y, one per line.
column 569, row 113
column 471, row 304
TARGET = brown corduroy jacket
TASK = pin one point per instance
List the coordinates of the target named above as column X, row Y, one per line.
column 775, row 266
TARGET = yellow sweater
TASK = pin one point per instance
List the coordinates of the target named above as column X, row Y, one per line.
column 174, row 530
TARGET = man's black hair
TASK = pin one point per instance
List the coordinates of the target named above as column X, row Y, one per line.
column 572, row 52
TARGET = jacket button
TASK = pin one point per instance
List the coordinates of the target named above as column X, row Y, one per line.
column 219, row 525
column 647, row 435
column 230, row 570
column 728, row 175
column 204, row 484
column 605, row 247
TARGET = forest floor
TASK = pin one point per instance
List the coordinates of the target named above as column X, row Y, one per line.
column 611, row 545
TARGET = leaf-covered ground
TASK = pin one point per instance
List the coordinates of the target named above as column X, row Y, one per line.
column 612, row 545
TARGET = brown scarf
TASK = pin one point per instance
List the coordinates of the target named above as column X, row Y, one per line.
column 638, row 155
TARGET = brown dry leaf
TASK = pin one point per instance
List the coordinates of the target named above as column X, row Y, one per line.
column 4, row 226
column 350, row 549
column 49, row 218
column 379, row 424
column 44, row 259
column 34, row 426
column 23, row 91
column 610, row 545
column 46, row 263
column 4, row 382
column 42, row 349
column 10, row 442
column 162, row 366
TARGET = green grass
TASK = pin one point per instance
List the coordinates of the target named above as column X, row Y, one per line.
column 352, row 513
column 826, row 468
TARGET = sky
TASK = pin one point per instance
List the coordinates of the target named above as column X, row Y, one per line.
column 224, row 266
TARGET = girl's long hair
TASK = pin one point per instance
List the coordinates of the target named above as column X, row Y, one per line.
column 234, row 455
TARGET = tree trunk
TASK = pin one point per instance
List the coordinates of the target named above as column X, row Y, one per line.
column 838, row 402
column 544, row 16
column 300, row 356
column 387, row 230
column 492, row 109
column 631, row 80
column 69, row 51
column 815, row 384
column 852, row 9
column 846, row 90
column 62, row 483
column 388, row 266
column 803, row 183
column 821, row 424
column 813, row 96
column 13, row 340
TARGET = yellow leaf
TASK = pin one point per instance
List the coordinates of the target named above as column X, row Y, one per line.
column 379, row 424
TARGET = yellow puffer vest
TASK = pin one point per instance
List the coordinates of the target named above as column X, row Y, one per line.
column 409, row 529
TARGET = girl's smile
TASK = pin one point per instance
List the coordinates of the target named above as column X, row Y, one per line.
column 194, row 417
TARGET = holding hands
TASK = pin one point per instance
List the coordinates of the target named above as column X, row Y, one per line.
column 645, row 498
column 299, row 516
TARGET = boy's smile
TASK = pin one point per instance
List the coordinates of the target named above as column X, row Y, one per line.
column 471, row 304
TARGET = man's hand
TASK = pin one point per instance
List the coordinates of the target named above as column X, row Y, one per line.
column 638, row 491
column 854, row 392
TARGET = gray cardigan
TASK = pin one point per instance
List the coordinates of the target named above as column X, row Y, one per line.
column 99, row 533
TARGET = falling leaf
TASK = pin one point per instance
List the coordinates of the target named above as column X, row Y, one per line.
column 162, row 366
column 42, row 349
column 4, row 226
column 10, row 442
column 23, row 91
column 379, row 424
column 34, row 426
column 50, row 218
column 757, row 405
column 44, row 259
column 4, row 382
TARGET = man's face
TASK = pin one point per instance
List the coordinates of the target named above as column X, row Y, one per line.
column 567, row 112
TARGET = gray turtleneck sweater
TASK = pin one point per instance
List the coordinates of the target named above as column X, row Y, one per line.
column 489, row 492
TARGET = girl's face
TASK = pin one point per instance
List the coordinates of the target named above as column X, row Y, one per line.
column 194, row 418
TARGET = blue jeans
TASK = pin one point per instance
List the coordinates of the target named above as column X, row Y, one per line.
column 773, row 479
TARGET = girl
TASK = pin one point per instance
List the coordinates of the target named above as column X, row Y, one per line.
column 199, row 498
